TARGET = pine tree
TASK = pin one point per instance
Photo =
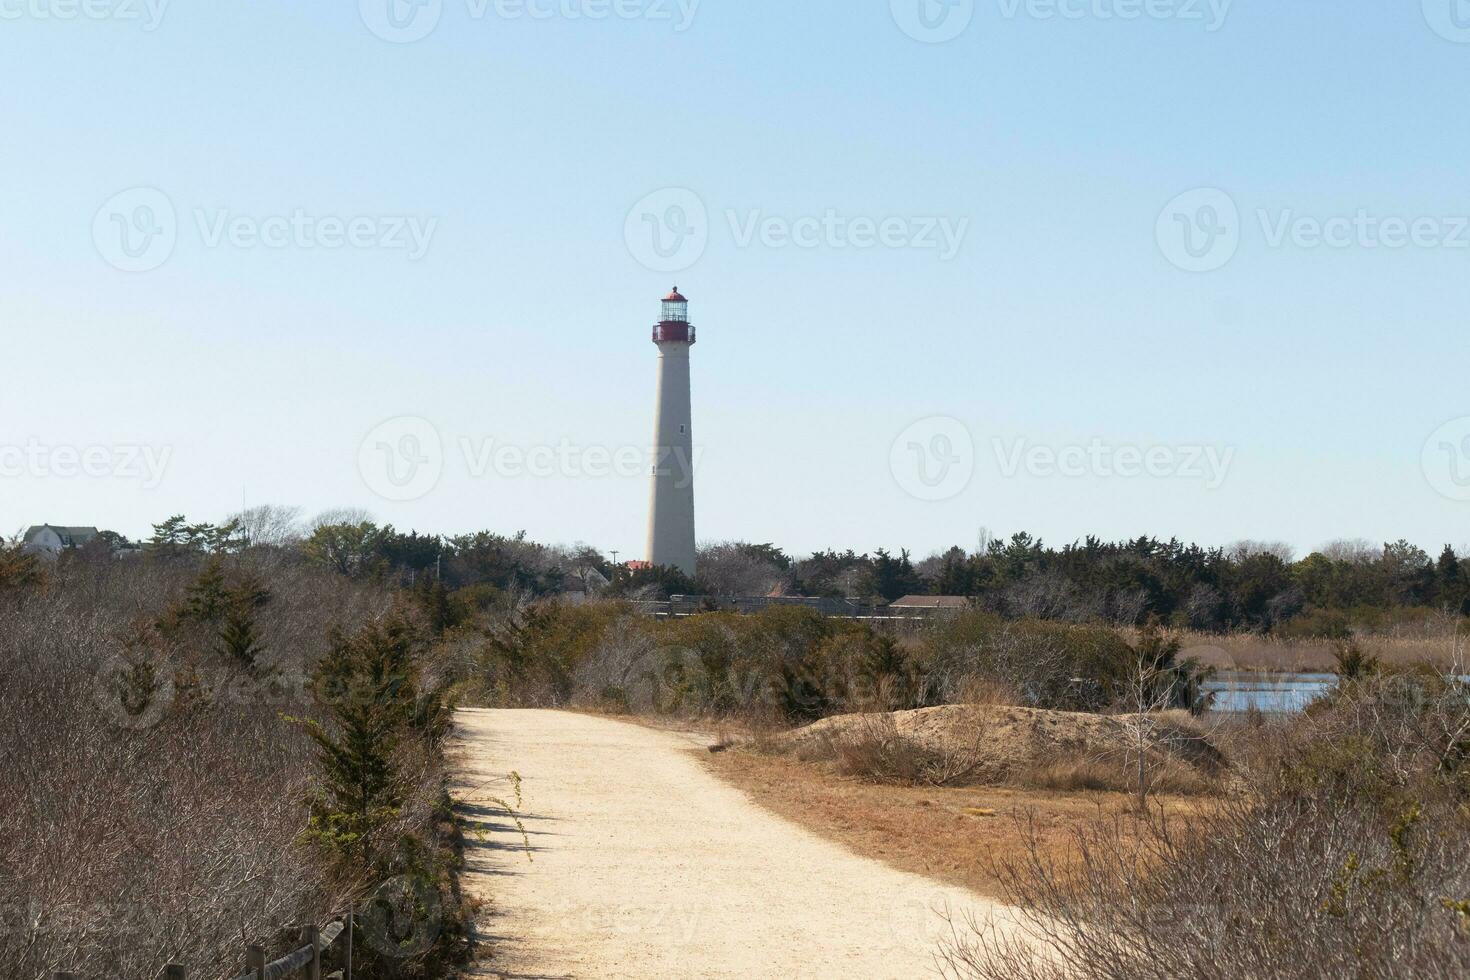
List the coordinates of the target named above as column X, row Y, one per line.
column 367, row 687
column 238, row 638
column 168, row 539
column 206, row 599
column 1453, row 588
column 433, row 598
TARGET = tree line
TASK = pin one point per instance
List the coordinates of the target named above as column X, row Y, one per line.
column 1246, row 586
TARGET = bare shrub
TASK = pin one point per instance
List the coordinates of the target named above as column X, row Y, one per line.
column 165, row 828
column 875, row 749
column 1344, row 851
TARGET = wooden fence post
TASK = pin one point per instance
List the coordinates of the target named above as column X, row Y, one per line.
column 349, row 944
column 66, row 976
column 174, row 972
column 255, row 961
column 314, row 940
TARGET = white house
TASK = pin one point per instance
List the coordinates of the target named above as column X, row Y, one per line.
column 49, row 541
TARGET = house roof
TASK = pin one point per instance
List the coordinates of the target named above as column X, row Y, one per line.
column 931, row 602
column 580, row 579
column 69, row 535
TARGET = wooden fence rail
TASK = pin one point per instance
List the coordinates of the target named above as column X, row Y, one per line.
column 308, row 957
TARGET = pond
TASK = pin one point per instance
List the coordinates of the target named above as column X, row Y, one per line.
column 1278, row 693
column 1268, row 691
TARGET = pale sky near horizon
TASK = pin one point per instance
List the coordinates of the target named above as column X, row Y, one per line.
column 939, row 284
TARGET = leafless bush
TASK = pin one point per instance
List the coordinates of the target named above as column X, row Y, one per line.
column 735, row 568
column 875, row 749
column 1345, row 851
column 133, row 838
column 621, row 672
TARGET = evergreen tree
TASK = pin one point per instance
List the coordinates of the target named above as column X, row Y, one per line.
column 1452, row 586
column 893, row 578
column 169, row 538
column 433, row 598
column 238, row 638
column 366, row 686
column 955, row 576
column 207, row 597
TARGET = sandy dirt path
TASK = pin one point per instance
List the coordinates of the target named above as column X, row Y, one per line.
column 647, row 865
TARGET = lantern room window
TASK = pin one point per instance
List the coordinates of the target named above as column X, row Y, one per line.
column 675, row 311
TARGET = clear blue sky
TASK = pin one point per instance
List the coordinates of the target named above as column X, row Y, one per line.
column 1060, row 320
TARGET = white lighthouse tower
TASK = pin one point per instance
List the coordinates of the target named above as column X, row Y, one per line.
column 671, row 515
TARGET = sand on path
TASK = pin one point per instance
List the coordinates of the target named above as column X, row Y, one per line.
column 645, row 864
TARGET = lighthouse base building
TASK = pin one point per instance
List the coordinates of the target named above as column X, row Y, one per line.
column 671, row 510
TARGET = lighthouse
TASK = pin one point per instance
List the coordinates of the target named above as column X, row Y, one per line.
column 671, row 510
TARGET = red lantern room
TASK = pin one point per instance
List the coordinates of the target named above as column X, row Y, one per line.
column 673, row 327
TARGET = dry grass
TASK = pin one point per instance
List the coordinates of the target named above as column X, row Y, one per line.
column 1001, row 745
column 957, row 835
column 1250, row 651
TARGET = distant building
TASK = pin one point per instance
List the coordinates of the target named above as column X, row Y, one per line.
column 50, row 540
column 581, row 584
column 931, row 603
